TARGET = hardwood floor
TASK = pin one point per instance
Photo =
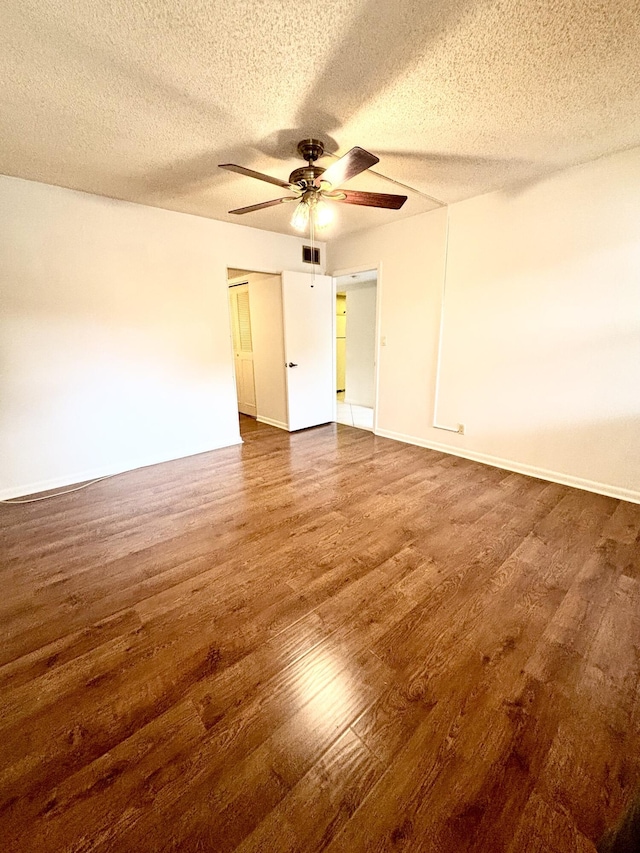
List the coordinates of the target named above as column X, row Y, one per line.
column 324, row 641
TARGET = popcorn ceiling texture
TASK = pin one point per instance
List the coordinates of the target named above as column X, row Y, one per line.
column 141, row 100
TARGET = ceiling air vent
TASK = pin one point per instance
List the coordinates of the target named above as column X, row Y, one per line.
column 310, row 256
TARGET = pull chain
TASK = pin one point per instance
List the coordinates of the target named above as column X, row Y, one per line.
column 312, row 235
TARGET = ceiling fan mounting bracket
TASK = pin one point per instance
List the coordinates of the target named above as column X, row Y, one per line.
column 310, row 149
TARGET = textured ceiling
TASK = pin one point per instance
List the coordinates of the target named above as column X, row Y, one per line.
column 141, row 99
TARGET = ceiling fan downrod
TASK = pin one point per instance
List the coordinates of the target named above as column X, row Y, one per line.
column 310, row 150
column 305, row 176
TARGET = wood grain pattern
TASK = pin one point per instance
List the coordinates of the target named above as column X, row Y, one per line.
column 324, row 641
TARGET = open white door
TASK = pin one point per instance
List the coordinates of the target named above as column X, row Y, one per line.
column 308, row 309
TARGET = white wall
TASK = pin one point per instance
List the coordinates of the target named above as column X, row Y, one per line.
column 541, row 344
column 267, row 333
column 361, row 345
column 115, row 335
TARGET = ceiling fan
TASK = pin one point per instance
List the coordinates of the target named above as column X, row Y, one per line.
column 312, row 186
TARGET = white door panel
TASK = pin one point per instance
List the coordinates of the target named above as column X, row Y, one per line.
column 309, row 309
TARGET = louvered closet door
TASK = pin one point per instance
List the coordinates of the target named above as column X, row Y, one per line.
column 243, row 349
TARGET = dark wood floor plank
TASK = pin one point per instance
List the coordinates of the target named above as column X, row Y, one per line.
column 324, row 641
column 548, row 828
column 317, row 808
column 28, row 667
column 252, row 761
column 122, row 780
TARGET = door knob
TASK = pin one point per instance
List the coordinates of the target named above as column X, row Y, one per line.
column 291, row 364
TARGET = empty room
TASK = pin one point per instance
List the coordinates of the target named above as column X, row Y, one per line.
column 237, row 614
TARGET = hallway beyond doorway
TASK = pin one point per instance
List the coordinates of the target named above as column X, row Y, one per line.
column 352, row 415
column 355, row 353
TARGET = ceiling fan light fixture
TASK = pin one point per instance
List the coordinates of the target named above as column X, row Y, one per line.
column 322, row 214
column 300, row 218
column 311, row 210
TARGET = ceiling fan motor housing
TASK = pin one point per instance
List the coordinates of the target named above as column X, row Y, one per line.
column 305, row 175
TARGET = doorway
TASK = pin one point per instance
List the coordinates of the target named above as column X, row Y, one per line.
column 356, row 299
column 282, row 347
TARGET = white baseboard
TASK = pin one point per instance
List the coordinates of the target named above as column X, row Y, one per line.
column 106, row 471
column 517, row 467
column 271, row 422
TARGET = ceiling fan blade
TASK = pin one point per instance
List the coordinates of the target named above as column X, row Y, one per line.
column 355, row 161
column 231, row 167
column 264, row 204
column 392, row 202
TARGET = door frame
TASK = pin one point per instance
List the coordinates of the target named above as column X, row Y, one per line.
column 376, row 378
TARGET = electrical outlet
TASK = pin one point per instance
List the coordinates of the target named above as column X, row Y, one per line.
column 383, row 341
column 461, row 429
